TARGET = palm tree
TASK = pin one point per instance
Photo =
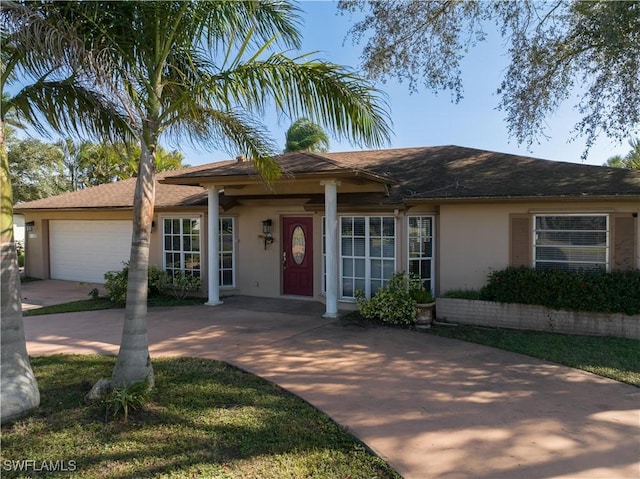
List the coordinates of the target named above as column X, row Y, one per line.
column 205, row 71
column 90, row 164
column 34, row 47
column 633, row 157
column 631, row 160
column 303, row 134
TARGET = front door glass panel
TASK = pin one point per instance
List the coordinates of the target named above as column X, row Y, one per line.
column 298, row 245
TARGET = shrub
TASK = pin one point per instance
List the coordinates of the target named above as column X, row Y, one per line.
column 614, row 292
column 392, row 303
column 116, row 283
column 418, row 292
column 463, row 294
column 180, row 285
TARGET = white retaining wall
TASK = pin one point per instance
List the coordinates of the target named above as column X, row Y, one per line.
column 537, row 318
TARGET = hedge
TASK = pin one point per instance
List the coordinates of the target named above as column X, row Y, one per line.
column 614, row 292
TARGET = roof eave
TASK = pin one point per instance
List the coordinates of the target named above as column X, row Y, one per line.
column 72, row 208
column 469, row 199
column 232, row 180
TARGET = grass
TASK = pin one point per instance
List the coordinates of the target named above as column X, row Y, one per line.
column 73, row 307
column 205, row 419
column 105, row 303
column 615, row 358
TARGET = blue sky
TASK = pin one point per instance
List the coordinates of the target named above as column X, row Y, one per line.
column 429, row 119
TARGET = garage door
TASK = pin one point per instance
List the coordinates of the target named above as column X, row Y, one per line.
column 85, row 250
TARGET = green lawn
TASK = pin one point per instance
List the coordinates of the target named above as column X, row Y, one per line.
column 615, row 358
column 205, row 419
column 105, row 303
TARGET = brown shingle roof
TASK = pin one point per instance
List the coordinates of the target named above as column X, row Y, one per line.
column 447, row 172
column 291, row 164
column 119, row 195
column 414, row 174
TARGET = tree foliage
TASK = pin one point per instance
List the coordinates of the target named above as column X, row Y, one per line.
column 305, row 135
column 40, row 169
column 44, row 52
column 37, row 169
column 205, row 72
column 89, row 164
column 630, row 160
column 560, row 50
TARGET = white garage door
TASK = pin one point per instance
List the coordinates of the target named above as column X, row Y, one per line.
column 85, row 250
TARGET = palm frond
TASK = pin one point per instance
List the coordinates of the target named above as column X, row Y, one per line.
column 36, row 40
column 235, row 131
column 267, row 19
column 328, row 94
column 69, row 106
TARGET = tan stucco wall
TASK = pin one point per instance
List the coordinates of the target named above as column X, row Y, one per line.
column 473, row 239
column 470, row 239
column 258, row 271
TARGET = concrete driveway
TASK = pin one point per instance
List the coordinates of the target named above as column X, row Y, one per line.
column 432, row 407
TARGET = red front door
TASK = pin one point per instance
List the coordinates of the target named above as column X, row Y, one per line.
column 297, row 256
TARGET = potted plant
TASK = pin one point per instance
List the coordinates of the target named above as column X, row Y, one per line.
column 425, row 304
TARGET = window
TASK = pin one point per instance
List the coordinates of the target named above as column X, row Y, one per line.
column 420, row 248
column 226, row 246
column 182, row 247
column 367, row 253
column 324, row 256
column 571, row 242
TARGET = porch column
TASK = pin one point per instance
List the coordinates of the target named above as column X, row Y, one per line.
column 331, row 231
column 213, row 263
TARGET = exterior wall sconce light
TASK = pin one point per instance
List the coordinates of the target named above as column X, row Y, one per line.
column 266, row 235
column 29, row 226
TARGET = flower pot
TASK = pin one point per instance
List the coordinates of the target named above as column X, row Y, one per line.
column 425, row 315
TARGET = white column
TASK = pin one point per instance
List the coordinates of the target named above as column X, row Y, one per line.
column 213, row 263
column 331, row 231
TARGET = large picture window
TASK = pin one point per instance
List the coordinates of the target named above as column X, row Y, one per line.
column 420, row 248
column 182, row 247
column 571, row 242
column 367, row 253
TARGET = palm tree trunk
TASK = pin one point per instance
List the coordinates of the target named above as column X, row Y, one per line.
column 134, row 362
column 18, row 387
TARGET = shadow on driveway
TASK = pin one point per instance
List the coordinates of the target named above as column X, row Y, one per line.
column 432, row 407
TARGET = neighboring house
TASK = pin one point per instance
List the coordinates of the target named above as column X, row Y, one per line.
column 338, row 222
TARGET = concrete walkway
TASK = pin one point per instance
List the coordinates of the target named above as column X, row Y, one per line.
column 432, row 407
column 36, row 294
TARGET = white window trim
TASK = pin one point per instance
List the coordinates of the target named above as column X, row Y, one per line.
column 367, row 257
column 367, row 251
column 323, row 249
column 203, row 250
column 433, row 248
column 607, row 217
column 180, row 217
column 233, row 250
